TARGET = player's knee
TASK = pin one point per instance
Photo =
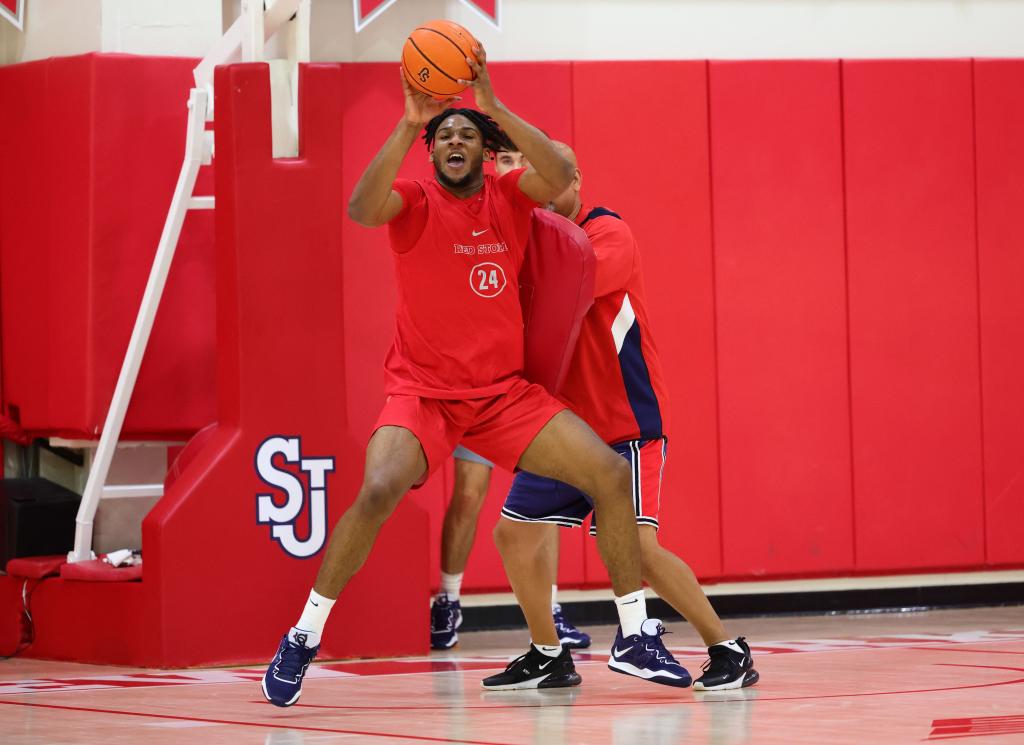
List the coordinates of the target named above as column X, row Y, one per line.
column 614, row 481
column 505, row 536
column 467, row 500
column 378, row 498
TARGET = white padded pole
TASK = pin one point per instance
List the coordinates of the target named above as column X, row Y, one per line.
column 196, row 153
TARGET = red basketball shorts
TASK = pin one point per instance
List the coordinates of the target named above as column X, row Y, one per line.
column 499, row 428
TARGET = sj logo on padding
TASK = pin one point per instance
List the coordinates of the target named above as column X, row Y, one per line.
column 283, row 517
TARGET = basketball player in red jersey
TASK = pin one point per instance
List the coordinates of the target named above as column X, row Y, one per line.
column 615, row 384
column 472, row 477
column 453, row 373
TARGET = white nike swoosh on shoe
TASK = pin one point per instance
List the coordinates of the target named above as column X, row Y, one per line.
column 620, row 652
column 541, row 667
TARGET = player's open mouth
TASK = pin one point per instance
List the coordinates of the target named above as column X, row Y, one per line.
column 456, row 161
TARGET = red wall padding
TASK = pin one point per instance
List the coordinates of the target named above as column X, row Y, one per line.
column 780, row 277
column 913, row 314
column 82, row 221
column 646, row 157
column 999, row 118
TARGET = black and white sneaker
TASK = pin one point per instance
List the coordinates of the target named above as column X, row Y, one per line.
column 730, row 666
column 535, row 670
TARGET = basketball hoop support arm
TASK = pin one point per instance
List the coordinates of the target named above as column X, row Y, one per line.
column 244, row 40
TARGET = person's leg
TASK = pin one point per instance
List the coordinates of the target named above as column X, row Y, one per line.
column 472, row 477
column 459, row 530
column 674, row 582
column 549, row 555
column 568, row 635
column 526, row 552
column 567, row 450
column 394, row 463
column 731, row 664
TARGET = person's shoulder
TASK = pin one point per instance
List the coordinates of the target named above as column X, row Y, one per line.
column 601, row 221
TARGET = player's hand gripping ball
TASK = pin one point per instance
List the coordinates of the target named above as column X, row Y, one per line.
column 434, row 58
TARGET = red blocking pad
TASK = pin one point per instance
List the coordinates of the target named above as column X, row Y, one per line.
column 913, row 314
column 85, row 197
column 999, row 120
column 556, row 289
column 662, row 192
column 36, row 567
column 777, row 179
column 282, row 376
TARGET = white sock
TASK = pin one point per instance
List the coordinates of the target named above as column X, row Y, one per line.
column 731, row 644
column 451, row 584
column 553, row 651
column 314, row 616
column 554, row 597
column 632, row 612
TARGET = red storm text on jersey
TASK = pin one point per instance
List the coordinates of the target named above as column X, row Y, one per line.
column 615, row 381
column 459, row 324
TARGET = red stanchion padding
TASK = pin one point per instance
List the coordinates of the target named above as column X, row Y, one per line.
column 239, row 534
column 86, row 189
column 556, row 289
column 781, row 290
column 36, row 567
column 999, row 120
column 98, row 570
column 913, row 283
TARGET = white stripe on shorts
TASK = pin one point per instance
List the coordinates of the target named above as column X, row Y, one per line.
column 565, row 522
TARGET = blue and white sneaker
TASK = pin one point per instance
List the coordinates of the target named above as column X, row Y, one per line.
column 282, row 683
column 568, row 635
column 644, row 656
column 445, row 619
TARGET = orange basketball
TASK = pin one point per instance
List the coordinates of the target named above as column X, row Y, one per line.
column 434, row 58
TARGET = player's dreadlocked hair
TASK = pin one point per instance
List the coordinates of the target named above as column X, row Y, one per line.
column 493, row 136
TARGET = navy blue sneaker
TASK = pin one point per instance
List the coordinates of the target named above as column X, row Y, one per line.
column 282, row 684
column 644, row 656
column 445, row 619
column 568, row 635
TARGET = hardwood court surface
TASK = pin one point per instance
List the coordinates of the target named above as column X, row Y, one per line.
column 873, row 678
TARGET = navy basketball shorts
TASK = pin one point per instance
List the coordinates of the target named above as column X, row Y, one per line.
column 535, row 499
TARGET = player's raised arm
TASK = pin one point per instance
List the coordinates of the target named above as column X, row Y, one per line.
column 373, row 201
column 550, row 173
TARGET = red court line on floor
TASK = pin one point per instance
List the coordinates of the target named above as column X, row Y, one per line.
column 419, row 738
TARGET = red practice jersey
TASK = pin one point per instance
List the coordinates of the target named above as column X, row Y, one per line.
column 615, row 381
column 459, row 324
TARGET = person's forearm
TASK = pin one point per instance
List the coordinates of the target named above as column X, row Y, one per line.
column 371, row 193
column 544, row 157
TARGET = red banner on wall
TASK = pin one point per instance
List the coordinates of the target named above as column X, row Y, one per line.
column 367, row 11
column 13, row 11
